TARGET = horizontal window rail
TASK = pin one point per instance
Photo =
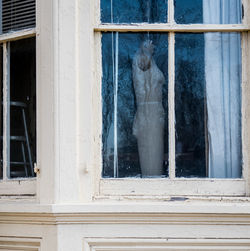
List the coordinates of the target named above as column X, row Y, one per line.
column 162, row 27
column 12, row 36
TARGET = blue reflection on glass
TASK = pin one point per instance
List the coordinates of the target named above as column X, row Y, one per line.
column 134, row 11
column 189, row 105
column 188, row 11
column 208, row 11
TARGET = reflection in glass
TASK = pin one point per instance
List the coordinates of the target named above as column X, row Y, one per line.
column 189, row 105
column 208, row 11
column 22, row 107
column 134, row 11
column 134, row 91
column 208, row 105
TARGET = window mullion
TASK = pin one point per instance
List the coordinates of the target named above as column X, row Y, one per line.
column 171, row 12
column 244, row 108
column 115, row 79
column 6, row 110
column 171, row 103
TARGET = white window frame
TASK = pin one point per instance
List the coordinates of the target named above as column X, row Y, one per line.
column 172, row 186
column 20, row 186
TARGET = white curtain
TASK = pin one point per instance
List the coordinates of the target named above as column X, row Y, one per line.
column 223, row 89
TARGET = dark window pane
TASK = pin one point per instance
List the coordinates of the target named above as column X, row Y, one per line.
column 189, row 105
column 208, row 11
column 134, row 11
column 208, row 105
column 138, row 116
column 22, row 107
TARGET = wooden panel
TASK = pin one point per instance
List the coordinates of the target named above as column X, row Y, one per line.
column 15, row 243
column 165, row 244
column 180, row 187
column 18, row 187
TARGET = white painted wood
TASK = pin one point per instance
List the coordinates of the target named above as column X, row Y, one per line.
column 28, row 238
column 6, row 111
column 97, row 126
column 128, row 218
column 228, row 209
column 8, row 243
column 171, row 12
column 175, row 187
column 122, row 237
column 5, row 90
column 6, row 106
column 65, row 83
column 116, row 83
column 97, row 12
column 66, row 53
column 126, row 215
column 61, row 98
column 246, row 9
column 245, row 111
column 172, row 27
column 171, row 104
column 129, row 225
column 131, row 244
column 45, row 55
column 16, row 35
column 89, row 103
column 17, row 187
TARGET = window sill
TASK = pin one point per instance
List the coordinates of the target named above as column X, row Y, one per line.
column 175, row 187
column 18, row 187
column 198, row 207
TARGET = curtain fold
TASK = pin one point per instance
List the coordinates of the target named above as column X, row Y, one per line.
column 223, row 89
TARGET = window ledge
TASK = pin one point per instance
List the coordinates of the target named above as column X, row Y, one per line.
column 18, row 187
column 134, row 213
column 199, row 206
column 175, row 187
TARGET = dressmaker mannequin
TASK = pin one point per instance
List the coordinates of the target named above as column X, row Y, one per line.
column 148, row 125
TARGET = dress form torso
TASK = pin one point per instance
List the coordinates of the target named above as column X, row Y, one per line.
column 149, row 120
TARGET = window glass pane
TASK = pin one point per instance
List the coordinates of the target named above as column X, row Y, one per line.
column 134, row 97
column 208, row 11
column 134, row 11
column 208, row 105
column 22, row 107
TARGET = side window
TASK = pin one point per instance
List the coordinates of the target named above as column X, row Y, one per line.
column 171, row 100
column 18, row 89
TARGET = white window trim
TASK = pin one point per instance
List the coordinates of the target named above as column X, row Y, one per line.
column 173, row 186
column 17, row 186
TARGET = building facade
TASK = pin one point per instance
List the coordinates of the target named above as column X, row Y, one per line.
column 69, row 205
